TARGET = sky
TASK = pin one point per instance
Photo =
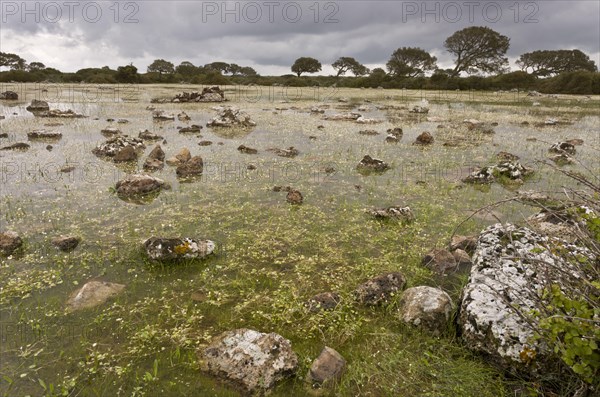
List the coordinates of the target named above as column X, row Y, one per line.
column 269, row 35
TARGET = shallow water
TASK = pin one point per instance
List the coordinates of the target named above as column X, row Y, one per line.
column 271, row 256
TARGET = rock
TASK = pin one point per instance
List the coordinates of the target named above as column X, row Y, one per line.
column 110, row 131
column 205, row 143
column 512, row 170
column 114, row 145
column 440, row 260
column 128, row 153
column 550, row 122
column 397, row 132
column 208, row 94
column 575, row 142
column 327, row 368
column 379, row 289
column 44, row 135
column 167, row 249
column 426, row 307
column 9, row 95
column 194, row 128
column 505, row 156
column 482, row 175
column 294, row 197
column 392, row 138
column 462, row 258
column 246, row 150
column 343, row 116
column 420, row 109
column 369, row 163
column 38, row 106
column 289, row 152
column 394, row 212
column 160, row 115
column 465, row 243
column 148, row 136
column 424, row 139
column 193, row 167
column 562, row 147
column 511, row 267
column 155, row 160
column 66, row 243
column 65, row 114
column 559, row 221
column 9, row 242
column 365, row 120
column 183, row 117
column 323, row 301
column 49, row 148
column 368, row 132
column 252, row 360
column 250, row 167
column 534, row 94
column 562, row 159
column 183, row 156
column 16, row 146
column 93, row 293
column 122, row 121
column 136, row 185
column 231, row 117
column 67, row 169
column 3, row 134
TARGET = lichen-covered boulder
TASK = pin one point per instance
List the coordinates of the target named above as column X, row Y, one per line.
column 252, row 360
column 166, row 249
column 228, row 116
column 114, row 145
column 511, row 267
column 426, row 307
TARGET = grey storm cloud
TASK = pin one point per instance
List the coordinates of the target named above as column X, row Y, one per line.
column 269, row 35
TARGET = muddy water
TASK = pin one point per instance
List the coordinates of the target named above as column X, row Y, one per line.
column 257, row 232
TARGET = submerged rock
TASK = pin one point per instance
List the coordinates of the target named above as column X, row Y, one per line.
column 148, row 136
column 394, row 212
column 167, row 249
column 289, row 152
column 379, row 289
column 294, row 197
column 110, row 131
column 66, row 243
column 16, row 146
column 426, row 307
column 327, row 368
column 252, row 360
column 9, row 242
column 562, row 148
column 161, row 115
column 193, row 129
column 369, row 163
column 93, row 293
column 9, row 95
column 343, row 116
column 368, row 132
column 65, row 114
column 136, row 185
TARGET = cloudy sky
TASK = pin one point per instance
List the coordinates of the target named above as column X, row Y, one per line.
column 270, row 35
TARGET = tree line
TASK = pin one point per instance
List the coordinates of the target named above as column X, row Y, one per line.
column 476, row 50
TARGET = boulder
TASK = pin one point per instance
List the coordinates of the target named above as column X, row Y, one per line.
column 136, row 185
column 182, row 157
column 167, row 249
column 465, row 243
column 38, row 106
column 66, row 243
column 482, row 175
column 323, row 301
column 424, row 139
column 155, row 160
column 327, row 368
column 93, row 293
column 440, row 260
column 462, row 257
column 228, row 116
column 247, row 150
column 127, row 153
column 379, row 289
column 252, row 360
column 294, row 197
column 16, row 146
column 395, row 212
column 426, row 307
column 193, row 167
column 9, row 95
column 562, row 148
column 114, row 145
column 369, row 163
column 397, row 132
column 208, row 94
column 562, row 159
column 511, row 267
column 9, row 242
